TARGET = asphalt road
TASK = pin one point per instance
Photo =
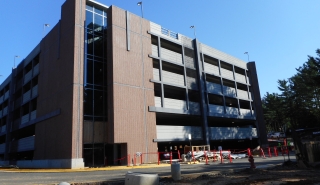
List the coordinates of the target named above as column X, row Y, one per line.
column 16, row 178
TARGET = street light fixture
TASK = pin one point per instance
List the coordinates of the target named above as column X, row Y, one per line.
column 190, row 142
column 246, row 53
column 140, row 4
column 14, row 61
column 44, row 28
column 194, row 28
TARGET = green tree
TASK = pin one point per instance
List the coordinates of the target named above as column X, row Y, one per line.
column 298, row 104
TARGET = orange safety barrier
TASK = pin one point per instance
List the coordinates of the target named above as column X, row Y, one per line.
column 205, row 154
column 120, row 160
column 194, row 160
column 214, row 156
column 230, row 157
column 168, row 156
column 269, row 151
column 221, row 156
column 262, row 153
column 275, row 151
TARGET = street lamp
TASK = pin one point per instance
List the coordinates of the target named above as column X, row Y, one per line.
column 190, row 142
column 246, row 53
column 44, row 28
column 14, row 61
column 194, row 28
column 140, row 4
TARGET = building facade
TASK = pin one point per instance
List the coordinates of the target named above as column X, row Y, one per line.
column 105, row 83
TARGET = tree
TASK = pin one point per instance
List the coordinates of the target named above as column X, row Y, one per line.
column 298, row 105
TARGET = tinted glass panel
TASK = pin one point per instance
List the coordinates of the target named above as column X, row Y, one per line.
column 98, row 73
column 89, row 43
column 88, row 103
column 89, row 20
column 89, row 72
column 88, row 7
column 98, row 22
column 98, row 103
column 98, row 46
column 96, row 10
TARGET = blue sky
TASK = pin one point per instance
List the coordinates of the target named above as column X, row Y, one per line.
column 279, row 35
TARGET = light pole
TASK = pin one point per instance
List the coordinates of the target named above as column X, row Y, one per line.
column 246, row 53
column 190, row 142
column 44, row 28
column 14, row 61
column 140, row 4
column 194, row 29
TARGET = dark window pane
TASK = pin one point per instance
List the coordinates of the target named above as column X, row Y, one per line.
column 88, row 102
column 105, row 22
column 89, row 20
column 88, row 7
column 98, row 22
column 89, row 43
column 98, row 73
column 88, row 118
column 105, row 102
column 98, row 46
column 96, row 10
column 89, row 72
column 98, row 103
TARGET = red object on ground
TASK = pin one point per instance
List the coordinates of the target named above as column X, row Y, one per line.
column 221, row 156
column 262, row 153
column 230, row 157
column 251, row 160
column 275, row 151
column 214, row 155
column 269, row 151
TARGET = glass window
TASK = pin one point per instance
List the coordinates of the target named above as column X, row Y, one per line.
column 98, row 46
column 88, row 102
column 105, row 22
column 88, row 7
column 89, row 42
column 89, row 72
column 98, row 22
column 98, row 73
column 98, row 103
column 89, row 20
column 98, row 11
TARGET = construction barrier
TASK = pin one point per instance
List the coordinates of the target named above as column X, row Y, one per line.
column 275, row 151
column 206, row 156
column 230, row 157
column 262, row 153
column 269, row 151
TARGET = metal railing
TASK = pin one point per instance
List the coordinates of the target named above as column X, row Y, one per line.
column 169, row 33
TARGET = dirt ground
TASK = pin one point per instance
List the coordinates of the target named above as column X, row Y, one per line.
column 286, row 174
column 289, row 174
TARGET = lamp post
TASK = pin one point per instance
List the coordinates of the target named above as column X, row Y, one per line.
column 190, row 142
column 194, row 29
column 44, row 28
column 246, row 53
column 140, row 4
column 14, row 61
